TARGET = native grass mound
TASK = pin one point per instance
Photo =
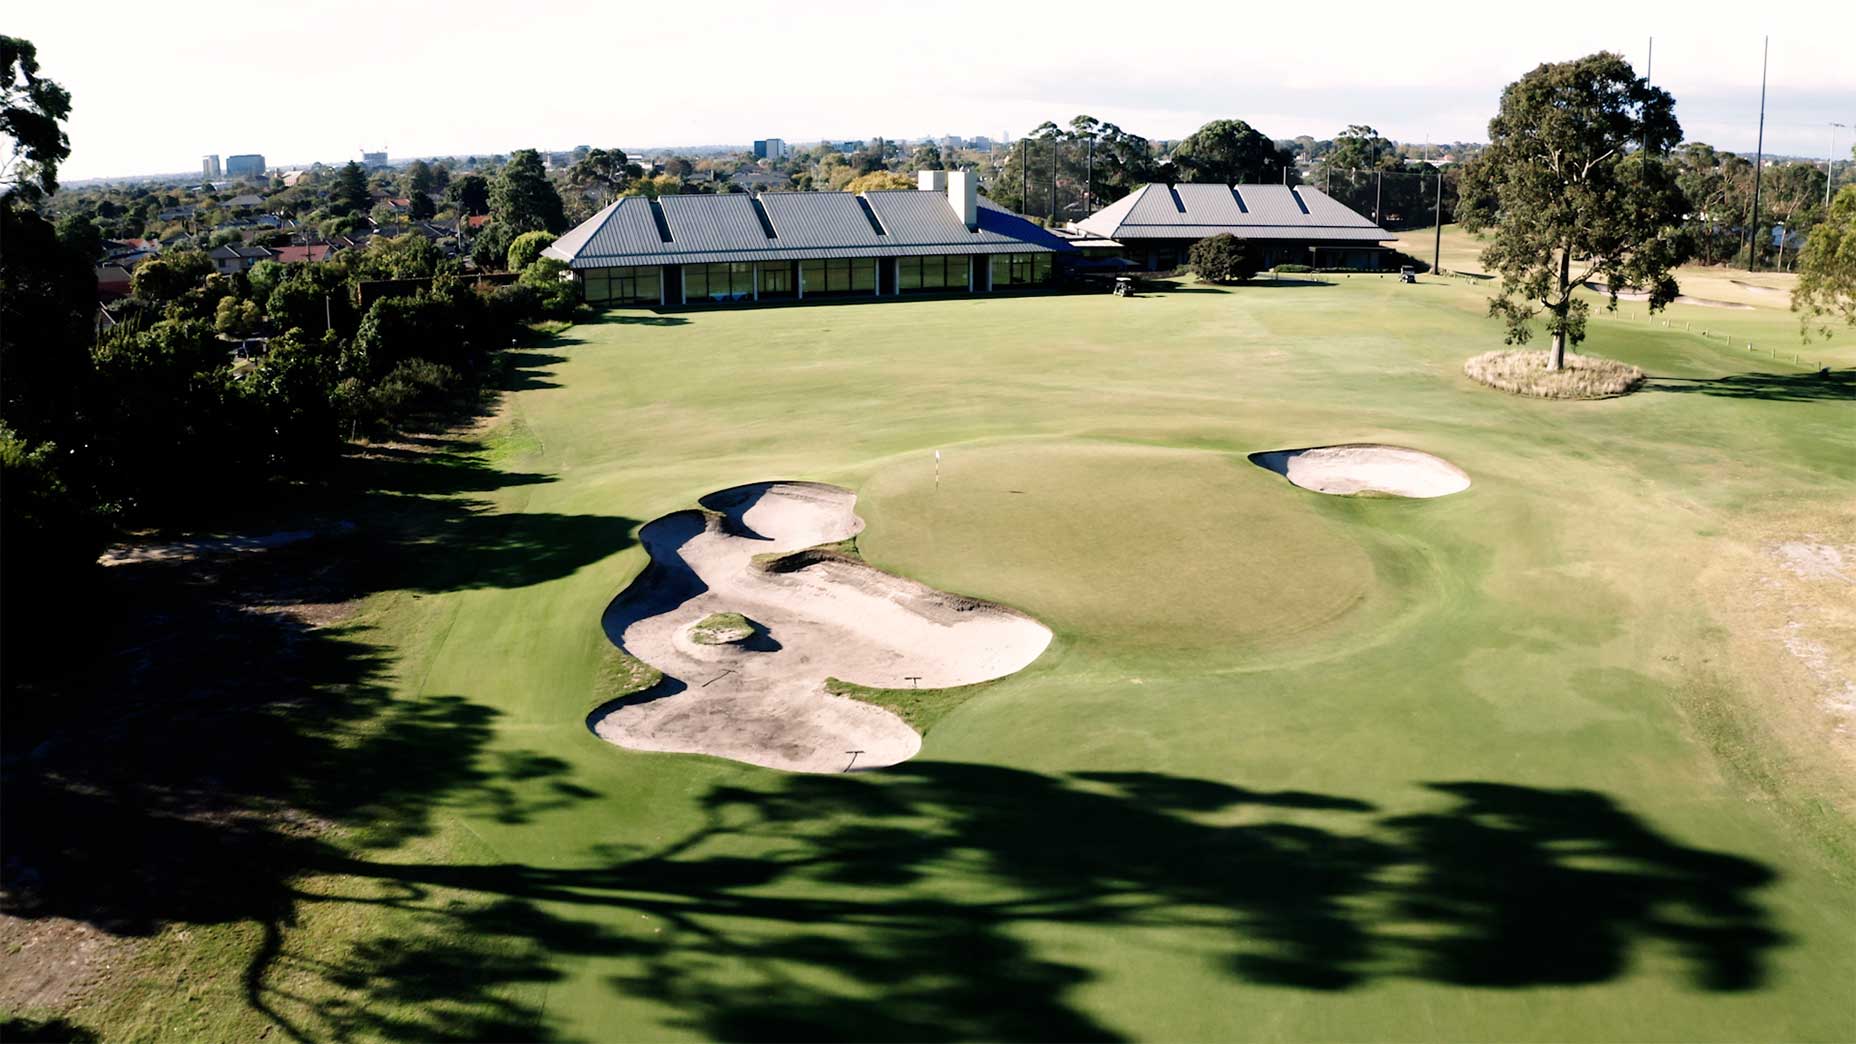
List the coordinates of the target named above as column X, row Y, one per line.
column 1582, row 376
column 745, row 643
column 1366, row 469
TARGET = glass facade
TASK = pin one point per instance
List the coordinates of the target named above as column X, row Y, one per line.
column 724, row 281
column 932, row 273
column 776, row 278
column 1020, row 270
column 838, row 275
column 621, row 285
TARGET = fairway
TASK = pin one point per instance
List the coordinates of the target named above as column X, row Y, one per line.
column 1557, row 756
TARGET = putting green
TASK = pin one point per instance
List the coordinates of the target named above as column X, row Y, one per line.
column 1131, row 547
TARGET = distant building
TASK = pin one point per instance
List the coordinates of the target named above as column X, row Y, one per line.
column 982, row 143
column 756, row 181
column 244, row 202
column 373, row 160
column 230, row 259
column 249, row 165
column 1157, row 224
column 731, row 247
column 293, row 178
column 771, row 149
column 209, row 167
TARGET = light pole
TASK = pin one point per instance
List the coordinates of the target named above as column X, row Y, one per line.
column 1830, row 164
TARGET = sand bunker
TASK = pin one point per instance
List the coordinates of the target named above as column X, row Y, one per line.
column 1704, row 302
column 1366, row 468
column 762, row 699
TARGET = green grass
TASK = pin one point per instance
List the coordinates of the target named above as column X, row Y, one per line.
column 921, row 708
column 720, row 629
column 1295, row 767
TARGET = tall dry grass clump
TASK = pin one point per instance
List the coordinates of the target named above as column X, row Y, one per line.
column 1526, row 373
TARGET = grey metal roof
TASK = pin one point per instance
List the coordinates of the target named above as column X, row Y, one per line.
column 1194, row 211
column 714, row 228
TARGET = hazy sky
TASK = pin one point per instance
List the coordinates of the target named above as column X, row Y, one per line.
column 156, row 85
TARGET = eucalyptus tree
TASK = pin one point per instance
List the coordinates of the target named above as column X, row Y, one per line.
column 1574, row 186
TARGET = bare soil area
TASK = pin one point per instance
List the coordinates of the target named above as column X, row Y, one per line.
column 763, row 700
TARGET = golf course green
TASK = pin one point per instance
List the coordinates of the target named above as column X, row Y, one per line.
column 1563, row 756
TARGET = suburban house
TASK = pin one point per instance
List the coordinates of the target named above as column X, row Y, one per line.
column 313, row 253
column 940, row 238
column 229, row 259
column 245, row 201
column 758, row 181
column 1157, row 224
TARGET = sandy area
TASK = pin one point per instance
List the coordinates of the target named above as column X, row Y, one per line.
column 1704, row 302
column 762, row 700
column 1366, row 468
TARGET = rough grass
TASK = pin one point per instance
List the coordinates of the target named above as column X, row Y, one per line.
column 921, row 708
column 1525, row 373
column 721, row 629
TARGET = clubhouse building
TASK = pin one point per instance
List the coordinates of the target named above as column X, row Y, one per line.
column 676, row 250
column 1157, row 224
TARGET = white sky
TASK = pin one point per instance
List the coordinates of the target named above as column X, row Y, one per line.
column 156, row 85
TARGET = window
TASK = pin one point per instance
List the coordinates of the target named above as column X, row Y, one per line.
column 1020, row 269
column 932, row 273
column 621, row 285
column 776, row 279
column 839, row 275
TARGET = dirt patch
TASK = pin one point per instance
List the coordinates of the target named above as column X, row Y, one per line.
column 1366, row 468
column 47, row 963
column 763, row 700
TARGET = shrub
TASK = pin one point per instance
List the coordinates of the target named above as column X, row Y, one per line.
column 526, row 249
column 554, row 286
column 1295, row 268
column 1222, row 258
column 1526, row 373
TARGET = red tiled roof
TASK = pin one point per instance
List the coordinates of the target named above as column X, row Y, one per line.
column 477, row 220
column 299, row 254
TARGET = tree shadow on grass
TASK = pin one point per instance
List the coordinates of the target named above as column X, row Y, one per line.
column 1833, row 386
column 209, row 740
column 920, row 903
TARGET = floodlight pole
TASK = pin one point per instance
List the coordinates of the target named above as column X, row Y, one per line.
column 1759, row 162
column 1437, row 222
column 1830, row 164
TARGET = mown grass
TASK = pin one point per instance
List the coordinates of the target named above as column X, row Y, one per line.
column 1332, row 768
column 921, row 708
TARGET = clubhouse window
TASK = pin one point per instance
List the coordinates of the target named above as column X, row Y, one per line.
column 723, row 281
column 838, row 275
column 1020, row 269
column 622, row 285
column 931, row 273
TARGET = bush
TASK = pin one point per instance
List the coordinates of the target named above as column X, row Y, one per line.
column 1295, row 268
column 526, row 248
column 1526, row 373
column 1222, row 258
column 554, row 287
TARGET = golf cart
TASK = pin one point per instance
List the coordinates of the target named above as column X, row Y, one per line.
column 1124, row 287
column 1407, row 274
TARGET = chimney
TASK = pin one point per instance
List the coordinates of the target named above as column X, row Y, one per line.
column 963, row 190
column 931, row 180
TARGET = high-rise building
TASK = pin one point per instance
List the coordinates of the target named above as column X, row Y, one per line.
column 373, row 160
column 209, row 167
column 251, row 164
column 770, row 149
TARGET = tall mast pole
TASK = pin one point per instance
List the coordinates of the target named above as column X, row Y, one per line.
column 1759, row 162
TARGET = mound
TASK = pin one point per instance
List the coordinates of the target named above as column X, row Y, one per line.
column 762, row 700
column 1366, row 468
column 1526, row 373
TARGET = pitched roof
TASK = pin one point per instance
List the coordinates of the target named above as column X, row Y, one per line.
column 1194, row 211
column 790, row 226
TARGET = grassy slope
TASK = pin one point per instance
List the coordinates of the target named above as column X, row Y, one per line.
column 1212, row 810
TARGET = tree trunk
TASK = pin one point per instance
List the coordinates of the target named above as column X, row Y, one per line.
column 1556, row 357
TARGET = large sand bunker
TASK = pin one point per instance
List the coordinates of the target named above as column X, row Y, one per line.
column 1366, row 468
column 761, row 699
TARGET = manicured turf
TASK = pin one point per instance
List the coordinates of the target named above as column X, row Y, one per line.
column 1529, row 762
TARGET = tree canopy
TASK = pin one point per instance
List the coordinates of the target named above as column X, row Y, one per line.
column 1826, row 291
column 605, row 169
column 1573, row 186
column 470, row 193
column 350, row 194
column 1231, row 152
column 522, row 199
column 32, row 113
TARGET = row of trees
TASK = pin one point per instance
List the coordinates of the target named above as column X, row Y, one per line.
column 154, row 421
